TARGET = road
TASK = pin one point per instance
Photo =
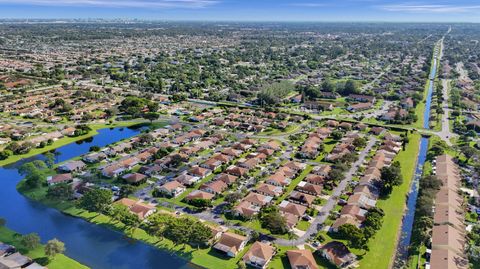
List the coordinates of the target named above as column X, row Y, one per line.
column 446, row 134
column 332, row 201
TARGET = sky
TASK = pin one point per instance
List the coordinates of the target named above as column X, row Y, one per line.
column 248, row 10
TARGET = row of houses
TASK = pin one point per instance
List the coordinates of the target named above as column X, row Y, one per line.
column 260, row 254
column 231, row 174
column 346, row 146
column 366, row 193
column 311, row 147
column 449, row 232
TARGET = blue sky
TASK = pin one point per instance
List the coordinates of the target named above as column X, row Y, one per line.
column 249, row 10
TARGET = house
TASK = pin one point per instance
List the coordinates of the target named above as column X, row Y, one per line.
column 259, row 255
column 322, row 170
column 199, row 172
column 362, row 98
column 280, row 178
column 236, row 171
column 354, row 211
column 361, row 200
column 301, row 259
column 258, row 199
column 60, row 178
column 94, row 157
column 377, row 130
column 342, row 220
column 138, row 208
column 113, row 170
column 301, row 198
column 228, row 179
column 199, row 194
column 231, row 244
column 214, row 187
column 72, row 166
column 269, row 190
column 292, row 208
column 187, row 180
column 6, row 249
column 360, row 107
column 309, row 188
column 246, row 209
column 338, row 254
column 172, row 188
column 14, row 261
column 134, row 178
column 70, row 131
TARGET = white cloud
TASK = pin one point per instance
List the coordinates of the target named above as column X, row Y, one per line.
column 118, row 3
column 432, row 8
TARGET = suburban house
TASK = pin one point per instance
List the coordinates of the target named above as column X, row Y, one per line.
column 199, row 194
column 338, row 254
column 259, row 255
column 72, row 166
column 138, row 208
column 214, row 187
column 187, row 180
column 134, row 178
column 172, row 188
column 301, row 259
column 59, row 178
column 231, row 244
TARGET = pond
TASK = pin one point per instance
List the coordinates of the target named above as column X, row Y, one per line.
column 92, row 245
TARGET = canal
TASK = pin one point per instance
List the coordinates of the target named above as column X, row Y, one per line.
column 92, row 245
column 407, row 223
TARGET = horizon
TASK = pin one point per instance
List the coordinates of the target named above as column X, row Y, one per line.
column 397, row 11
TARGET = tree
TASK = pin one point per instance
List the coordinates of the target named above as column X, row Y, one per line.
column 272, row 220
column 96, row 200
column 469, row 152
column 336, row 175
column 337, row 135
column 126, row 190
column 151, row 116
column 354, row 235
column 359, row 142
column 61, row 191
column 5, row 154
column 391, row 176
column 49, row 159
column 2, row 222
column 94, row 149
column 328, row 86
column 233, row 197
column 54, row 247
column 30, row 241
column 34, row 173
column 200, row 203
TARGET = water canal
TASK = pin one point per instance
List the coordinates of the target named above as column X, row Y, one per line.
column 407, row 223
column 92, row 245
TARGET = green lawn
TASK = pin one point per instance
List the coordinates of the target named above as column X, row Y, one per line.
column 382, row 246
column 303, row 225
column 38, row 254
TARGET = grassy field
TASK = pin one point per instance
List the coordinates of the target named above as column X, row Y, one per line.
column 382, row 246
column 38, row 254
column 67, row 140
